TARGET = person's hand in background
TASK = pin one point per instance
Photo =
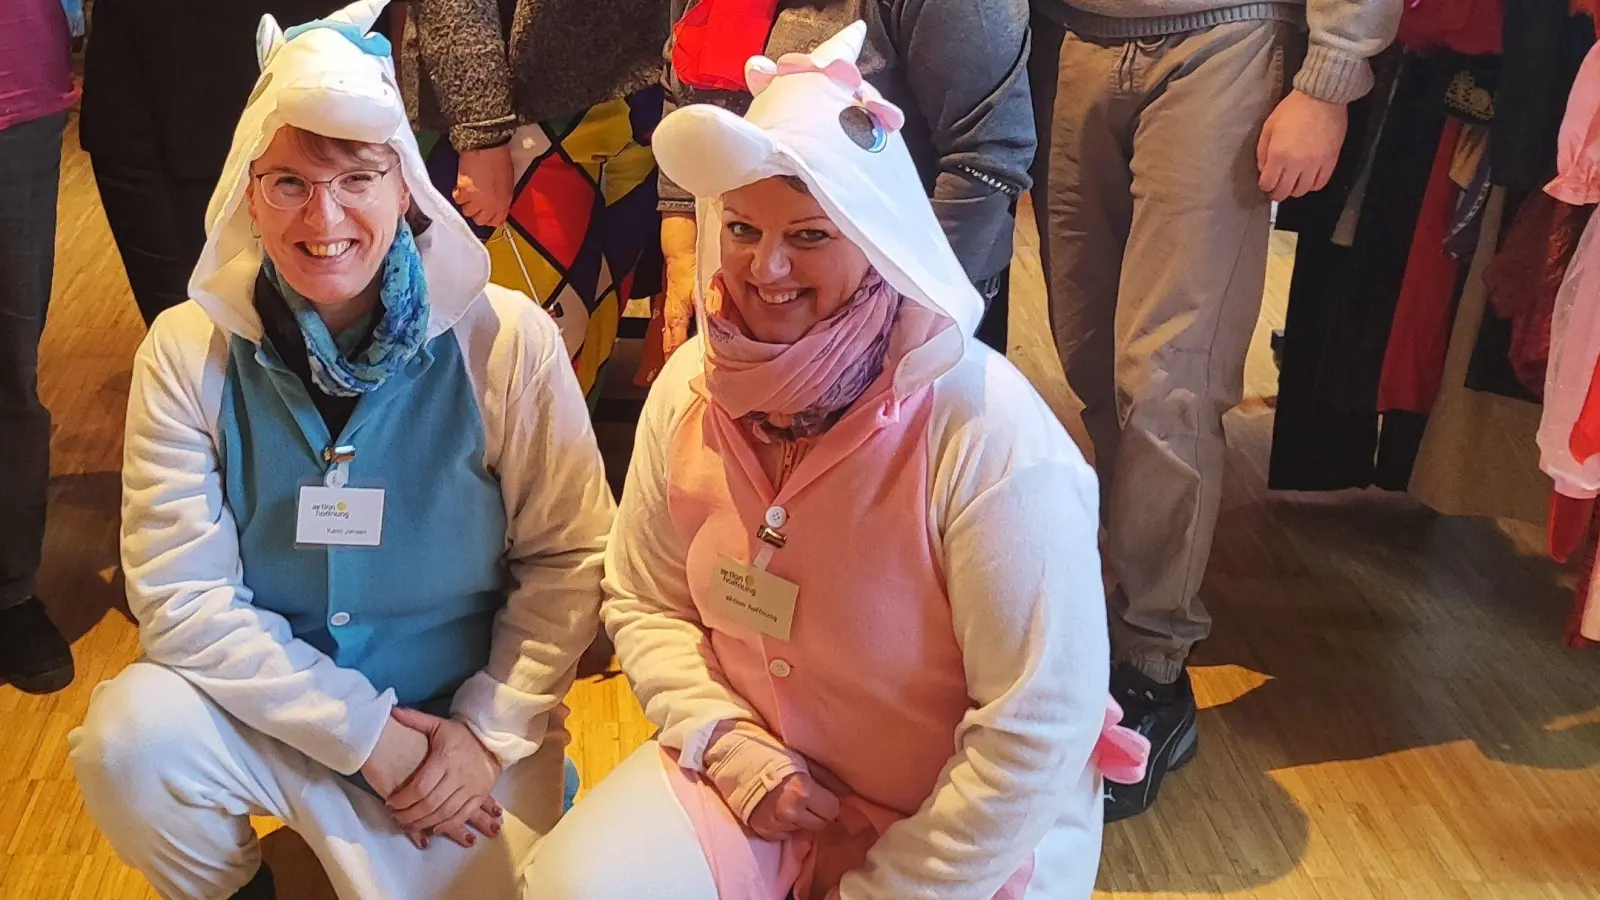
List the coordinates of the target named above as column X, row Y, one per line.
column 678, row 250
column 1299, row 145
column 484, row 185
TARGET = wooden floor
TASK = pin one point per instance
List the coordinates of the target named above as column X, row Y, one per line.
column 1387, row 710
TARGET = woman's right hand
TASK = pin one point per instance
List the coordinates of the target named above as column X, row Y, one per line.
column 399, row 753
column 768, row 786
column 677, row 249
column 799, row 803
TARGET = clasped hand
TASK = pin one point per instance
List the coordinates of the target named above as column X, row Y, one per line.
column 768, row 786
column 436, row 776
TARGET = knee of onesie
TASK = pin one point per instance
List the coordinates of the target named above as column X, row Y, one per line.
column 140, row 727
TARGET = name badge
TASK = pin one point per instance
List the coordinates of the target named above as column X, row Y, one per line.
column 347, row 517
column 752, row 598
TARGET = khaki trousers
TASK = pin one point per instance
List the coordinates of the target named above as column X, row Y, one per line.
column 1154, row 242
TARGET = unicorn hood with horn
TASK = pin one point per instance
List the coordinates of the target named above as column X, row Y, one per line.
column 334, row 78
column 816, row 119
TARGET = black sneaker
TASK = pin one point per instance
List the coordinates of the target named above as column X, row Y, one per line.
column 1164, row 713
column 260, row 887
column 34, row 656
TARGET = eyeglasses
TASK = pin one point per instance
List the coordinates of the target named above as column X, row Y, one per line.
column 353, row 190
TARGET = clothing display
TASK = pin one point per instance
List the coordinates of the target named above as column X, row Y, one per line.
column 1526, row 274
column 271, row 648
column 1492, row 308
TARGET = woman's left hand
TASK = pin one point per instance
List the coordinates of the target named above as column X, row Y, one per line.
column 451, row 784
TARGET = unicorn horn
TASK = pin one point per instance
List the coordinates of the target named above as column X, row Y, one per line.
column 361, row 13
column 845, row 45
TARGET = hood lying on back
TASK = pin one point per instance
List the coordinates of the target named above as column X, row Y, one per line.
column 329, row 77
column 815, row 118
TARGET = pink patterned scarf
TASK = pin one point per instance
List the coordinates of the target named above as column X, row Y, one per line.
column 799, row 390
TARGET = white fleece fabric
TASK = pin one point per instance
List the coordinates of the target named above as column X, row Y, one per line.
column 1015, row 509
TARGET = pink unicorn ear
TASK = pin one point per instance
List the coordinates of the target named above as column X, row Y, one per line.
column 891, row 117
column 758, row 73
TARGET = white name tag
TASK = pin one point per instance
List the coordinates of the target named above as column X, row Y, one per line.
column 349, row 517
column 752, row 598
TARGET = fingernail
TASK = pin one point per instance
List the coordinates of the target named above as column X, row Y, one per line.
column 424, row 843
column 471, row 839
column 494, row 829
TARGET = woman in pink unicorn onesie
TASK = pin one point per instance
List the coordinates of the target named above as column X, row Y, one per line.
column 854, row 577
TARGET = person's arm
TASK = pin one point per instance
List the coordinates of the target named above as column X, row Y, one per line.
column 1345, row 35
column 672, row 199
column 1019, row 544
column 464, row 59
column 185, row 579
column 966, row 65
column 558, row 511
column 664, row 648
column 1300, row 141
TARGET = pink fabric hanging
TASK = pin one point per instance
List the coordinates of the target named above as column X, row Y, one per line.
column 1575, row 328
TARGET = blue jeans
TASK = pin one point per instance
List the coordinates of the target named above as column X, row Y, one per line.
column 30, row 173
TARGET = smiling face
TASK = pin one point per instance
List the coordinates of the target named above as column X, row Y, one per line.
column 327, row 251
column 785, row 265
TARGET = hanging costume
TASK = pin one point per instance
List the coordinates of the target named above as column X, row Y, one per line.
column 941, row 535
column 271, row 665
column 573, row 86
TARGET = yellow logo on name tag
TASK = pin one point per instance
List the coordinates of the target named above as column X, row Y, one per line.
column 746, row 597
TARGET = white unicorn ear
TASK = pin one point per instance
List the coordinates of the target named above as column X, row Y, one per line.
column 361, row 14
column 758, row 73
column 269, row 37
column 845, row 45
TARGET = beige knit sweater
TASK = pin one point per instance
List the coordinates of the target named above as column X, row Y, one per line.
column 1344, row 33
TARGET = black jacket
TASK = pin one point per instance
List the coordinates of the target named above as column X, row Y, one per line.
column 164, row 81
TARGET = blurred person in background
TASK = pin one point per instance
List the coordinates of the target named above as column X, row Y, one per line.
column 536, row 117
column 36, row 90
column 164, row 82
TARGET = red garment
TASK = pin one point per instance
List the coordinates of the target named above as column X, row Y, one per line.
column 713, row 41
column 1525, row 276
column 1585, row 440
column 1582, row 596
column 1465, row 26
column 1413, row 363
column 1569, row 524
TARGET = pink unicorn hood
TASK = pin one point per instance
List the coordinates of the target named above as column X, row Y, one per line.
column 816, row 119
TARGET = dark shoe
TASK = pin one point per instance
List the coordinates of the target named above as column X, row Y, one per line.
column 1164, row 713
column 260, row 887
column 34, row 656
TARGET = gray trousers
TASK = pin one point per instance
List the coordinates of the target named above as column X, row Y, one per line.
column 30, row 172
column 1154, row 242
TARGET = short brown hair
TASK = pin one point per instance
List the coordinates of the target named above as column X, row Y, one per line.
column 326, row 149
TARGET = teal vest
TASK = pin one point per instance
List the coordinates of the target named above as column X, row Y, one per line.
column 416, row 613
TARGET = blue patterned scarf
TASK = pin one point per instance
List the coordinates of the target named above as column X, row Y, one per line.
column 337, row 367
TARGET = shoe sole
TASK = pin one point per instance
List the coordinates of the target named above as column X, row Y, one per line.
column 1180, row 749
column 44, row 683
